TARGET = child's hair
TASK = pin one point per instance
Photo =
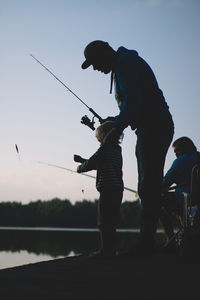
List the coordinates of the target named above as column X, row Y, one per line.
column 103, row 129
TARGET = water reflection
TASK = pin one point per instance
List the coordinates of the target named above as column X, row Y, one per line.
column 48, row 242
column 44, row 245
column 10, row 259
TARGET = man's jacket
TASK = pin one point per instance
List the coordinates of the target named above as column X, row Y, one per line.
column 141, row 102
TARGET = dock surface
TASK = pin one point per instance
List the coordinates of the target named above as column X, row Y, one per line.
column 78, row 277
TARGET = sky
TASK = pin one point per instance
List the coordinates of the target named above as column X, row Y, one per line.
column 43, row 118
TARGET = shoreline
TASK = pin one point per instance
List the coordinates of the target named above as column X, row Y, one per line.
column 71, row 229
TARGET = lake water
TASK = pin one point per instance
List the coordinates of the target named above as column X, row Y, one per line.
column 23, row 245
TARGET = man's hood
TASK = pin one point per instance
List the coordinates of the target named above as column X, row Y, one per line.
column 123, row 50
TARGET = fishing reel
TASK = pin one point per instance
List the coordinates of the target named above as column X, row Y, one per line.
column 86, row 121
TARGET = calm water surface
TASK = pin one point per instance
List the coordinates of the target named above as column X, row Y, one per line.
column 22, row 245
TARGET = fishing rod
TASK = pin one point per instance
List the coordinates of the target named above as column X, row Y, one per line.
column 59, row 167
column 84, row 120
column 70, row 170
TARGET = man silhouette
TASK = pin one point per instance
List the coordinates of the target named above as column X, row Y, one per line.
column 143, row 108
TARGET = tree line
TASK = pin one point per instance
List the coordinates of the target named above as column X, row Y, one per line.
column 62, row 213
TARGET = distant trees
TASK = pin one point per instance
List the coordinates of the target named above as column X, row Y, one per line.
column 62, row 213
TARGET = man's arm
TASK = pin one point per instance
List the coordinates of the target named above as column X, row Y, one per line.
column 130, row 87
column 108, row 119
column 172, row 174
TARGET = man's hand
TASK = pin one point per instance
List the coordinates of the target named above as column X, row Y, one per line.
column 78, row 158
column 108, row 119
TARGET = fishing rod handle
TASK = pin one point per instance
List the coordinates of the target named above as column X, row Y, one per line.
column 96, row 115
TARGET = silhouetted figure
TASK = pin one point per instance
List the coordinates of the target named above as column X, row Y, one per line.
column 107, row 160
column 143, row 108
column 179, row 173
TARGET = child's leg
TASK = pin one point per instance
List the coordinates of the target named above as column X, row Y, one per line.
column 108, row 213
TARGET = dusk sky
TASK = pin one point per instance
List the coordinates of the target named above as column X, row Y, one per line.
column 43, row 119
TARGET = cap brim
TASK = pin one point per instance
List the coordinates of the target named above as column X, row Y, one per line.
column 85, row 64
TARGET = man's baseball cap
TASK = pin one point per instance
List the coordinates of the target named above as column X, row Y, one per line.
column 92, row 50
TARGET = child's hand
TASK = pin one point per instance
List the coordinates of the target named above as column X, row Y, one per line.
column 78, row 169
column 78, row 158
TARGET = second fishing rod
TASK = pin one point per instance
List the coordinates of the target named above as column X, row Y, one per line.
column 84, row 120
